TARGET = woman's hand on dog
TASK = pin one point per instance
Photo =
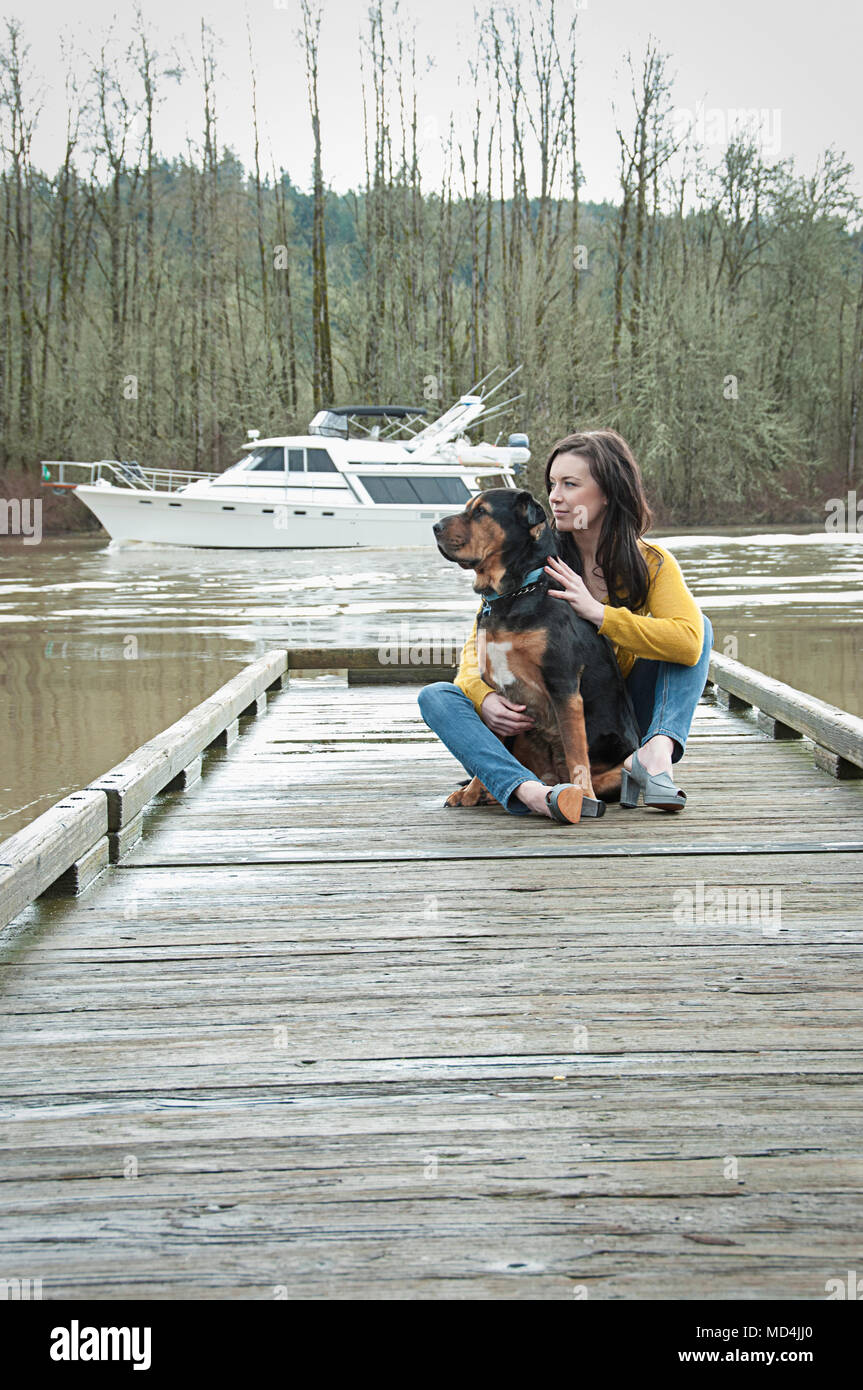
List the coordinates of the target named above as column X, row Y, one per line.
column 574, row 591
column 503, row 717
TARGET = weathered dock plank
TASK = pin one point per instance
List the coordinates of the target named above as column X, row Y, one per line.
column 318, row 1036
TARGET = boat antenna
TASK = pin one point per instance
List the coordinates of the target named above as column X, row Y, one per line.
column 502, row 382
column 474, row 390
column 498, row 409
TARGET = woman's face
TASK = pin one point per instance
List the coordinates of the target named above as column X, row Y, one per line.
column 576, row 499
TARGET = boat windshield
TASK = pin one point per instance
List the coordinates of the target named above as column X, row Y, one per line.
column 266, row 460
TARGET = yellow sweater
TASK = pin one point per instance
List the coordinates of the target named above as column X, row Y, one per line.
column 667, row 628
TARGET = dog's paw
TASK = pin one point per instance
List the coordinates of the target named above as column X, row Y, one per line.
column 473, row 794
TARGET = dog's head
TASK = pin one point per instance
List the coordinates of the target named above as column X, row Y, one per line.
column 502, row 534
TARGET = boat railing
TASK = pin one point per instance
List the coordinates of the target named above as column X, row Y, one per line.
column 63, row 473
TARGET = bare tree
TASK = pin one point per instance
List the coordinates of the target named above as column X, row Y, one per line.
column 322, row 369
column 19, row 188
column 263, row 257
column 373, row 51
column 650, row 149
column 285, row 325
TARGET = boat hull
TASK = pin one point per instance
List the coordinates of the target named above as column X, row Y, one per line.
column 234, row 524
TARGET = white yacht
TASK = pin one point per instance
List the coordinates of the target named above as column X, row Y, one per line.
column 362, row 476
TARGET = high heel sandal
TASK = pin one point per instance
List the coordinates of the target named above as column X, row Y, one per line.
column 568, row 804
column 658, row 788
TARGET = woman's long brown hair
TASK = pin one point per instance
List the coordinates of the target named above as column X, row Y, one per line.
column 627, row 515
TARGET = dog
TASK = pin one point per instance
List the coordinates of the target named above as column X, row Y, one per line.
column 537, row 652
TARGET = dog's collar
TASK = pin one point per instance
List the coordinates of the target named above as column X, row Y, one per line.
column 529, row 581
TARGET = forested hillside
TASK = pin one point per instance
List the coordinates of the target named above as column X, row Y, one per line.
column 155, row 308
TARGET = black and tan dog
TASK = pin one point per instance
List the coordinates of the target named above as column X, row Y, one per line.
column 537, row 652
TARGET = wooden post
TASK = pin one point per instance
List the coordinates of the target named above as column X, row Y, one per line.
column 775, row 727
column 836, row 765
column 730, row 701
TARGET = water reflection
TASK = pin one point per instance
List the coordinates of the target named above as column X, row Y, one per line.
column 103, row 646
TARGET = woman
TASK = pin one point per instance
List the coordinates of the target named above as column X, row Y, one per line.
column 635, row 595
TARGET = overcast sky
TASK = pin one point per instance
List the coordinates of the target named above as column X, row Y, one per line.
column 798, row 64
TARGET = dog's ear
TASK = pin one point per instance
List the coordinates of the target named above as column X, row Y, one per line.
column 530, row 509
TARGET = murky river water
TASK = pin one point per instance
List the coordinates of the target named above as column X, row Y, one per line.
column 103, row 647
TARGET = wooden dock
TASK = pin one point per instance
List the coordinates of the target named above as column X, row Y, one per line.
column 313, row 1035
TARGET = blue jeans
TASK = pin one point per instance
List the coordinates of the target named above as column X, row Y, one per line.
column 663, row 693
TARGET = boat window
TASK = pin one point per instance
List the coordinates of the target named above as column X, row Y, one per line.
column 271, row 460
column 424, row 490
column 396, row 489
column 296, row 460
column 319, row 461
column 442, row 489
